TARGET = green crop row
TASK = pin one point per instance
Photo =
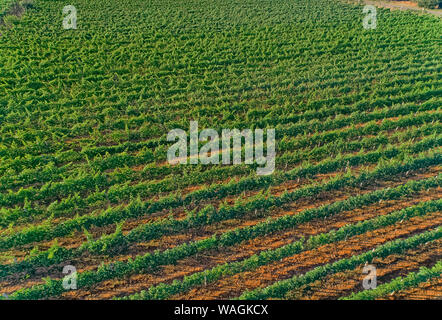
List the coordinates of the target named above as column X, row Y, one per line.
column 358, row 116
column 137, row 209
column 148, row 261
column 280, row 288
column 293, row 130
column 413, row 279
column 165, row 291
column 50, row 190
column 125, row 192
column 38, row 148
column 117, row 241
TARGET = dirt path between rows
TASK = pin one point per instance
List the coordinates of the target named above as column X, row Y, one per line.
column 194, row 264
column 241, row 251
column 235, row 285
column 429, row 290
column 403, row 5
column 346, row 282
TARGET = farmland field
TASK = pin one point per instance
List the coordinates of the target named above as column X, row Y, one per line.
column 86, row 185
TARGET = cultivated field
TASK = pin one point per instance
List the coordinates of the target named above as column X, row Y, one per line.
column 85, row 180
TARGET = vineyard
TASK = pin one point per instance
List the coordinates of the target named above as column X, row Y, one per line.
column 85, row 180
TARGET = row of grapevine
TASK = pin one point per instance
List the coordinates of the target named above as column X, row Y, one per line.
column 280, row 288
column 116, row 193
column 411, row 280
column 148, row 261
column 208, row 214
column 165, row 291
column 370, row 128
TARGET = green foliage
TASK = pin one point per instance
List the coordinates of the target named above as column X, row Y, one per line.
column 413, row 279
column 429, row 4
column 170, row 256
column 84, row 118
column 279, row 289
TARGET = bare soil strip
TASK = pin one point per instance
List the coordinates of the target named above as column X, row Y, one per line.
column 234, row 286
column 201, row 262
column 429, row 290
column 345, row 283
column 402, row 5
column 244, row 250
